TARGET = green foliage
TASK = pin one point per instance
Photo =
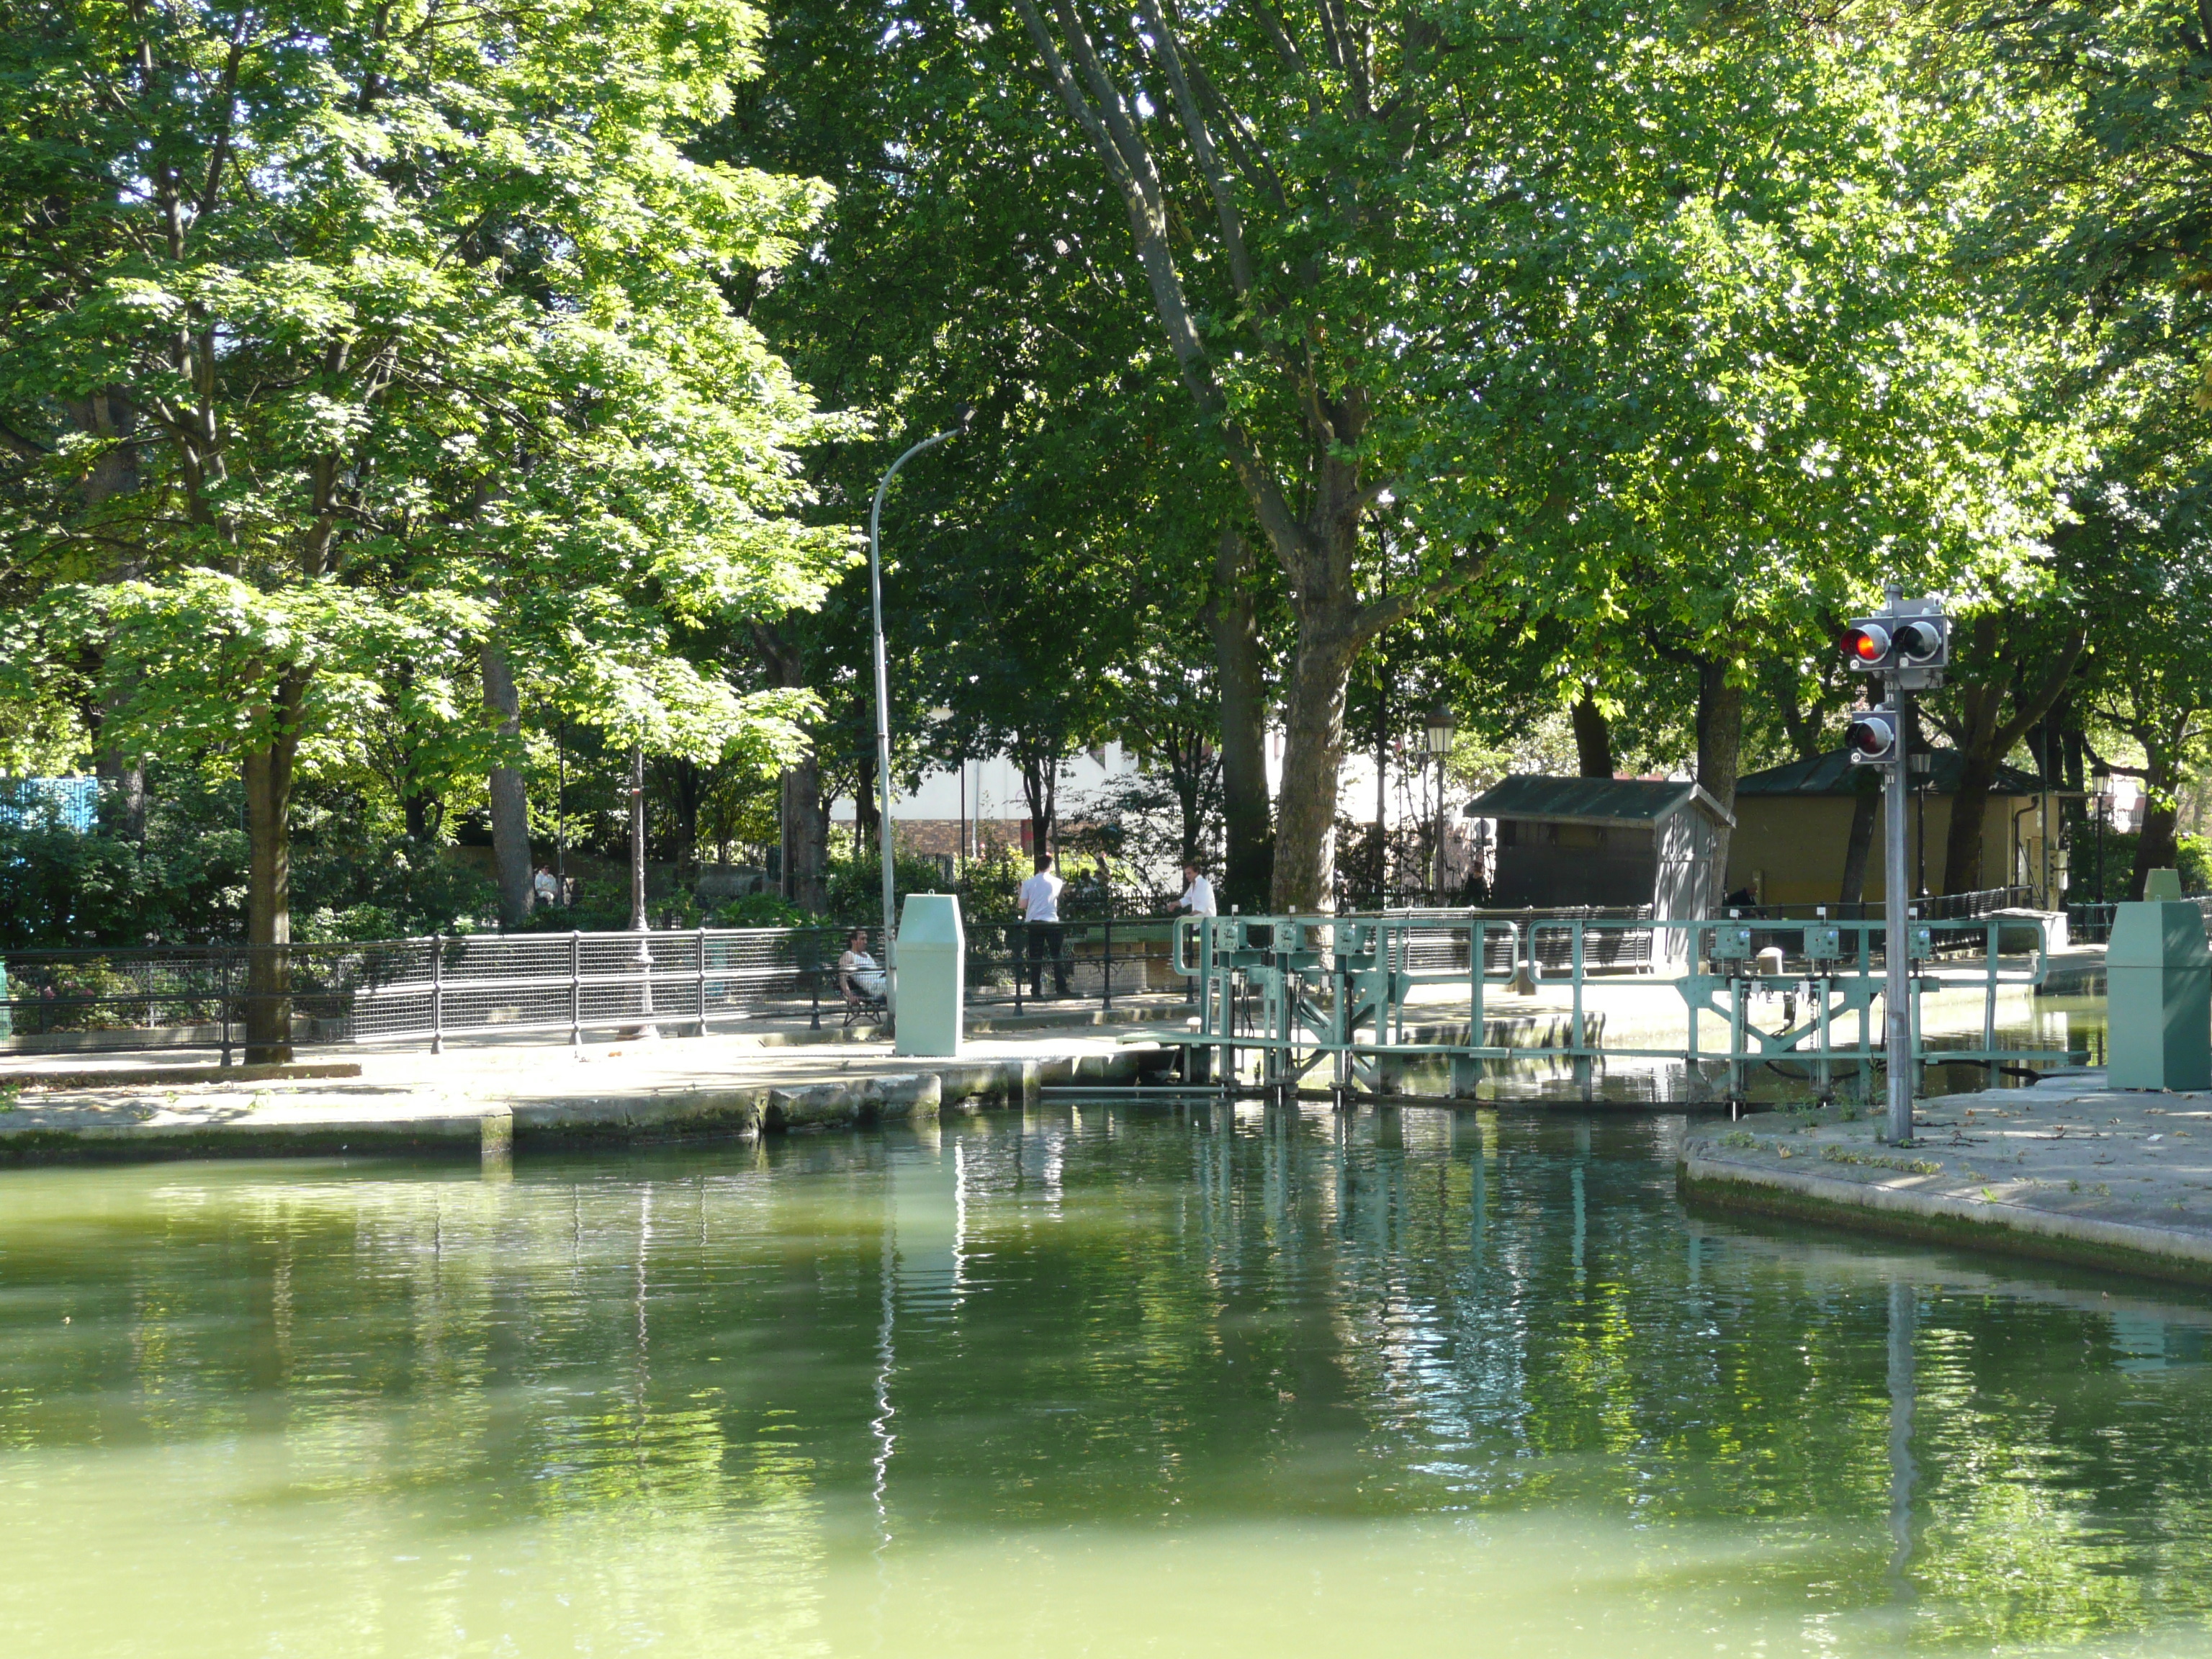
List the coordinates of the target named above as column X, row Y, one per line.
column 856, row 886
column 759, row 910
column 185, row 881
column 339, row 344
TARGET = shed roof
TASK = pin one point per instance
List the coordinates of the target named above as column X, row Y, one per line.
column 1834, row 775
column 1591, row 800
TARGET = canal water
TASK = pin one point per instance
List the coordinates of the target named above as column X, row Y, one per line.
column 1108, row 1380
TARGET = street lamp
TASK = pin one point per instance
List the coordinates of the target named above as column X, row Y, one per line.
column 883, row 700
column 1442, row 726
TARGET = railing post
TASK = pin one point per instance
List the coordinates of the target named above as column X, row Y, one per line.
column 1020, row 966
column 814, row 981
column 702, row 981
column 1109, row 953
column 647, row 1027
column 1990, row 999
column 576, row 990
column 437, row 995
column 223, row 959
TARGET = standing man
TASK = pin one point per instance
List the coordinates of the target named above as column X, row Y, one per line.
column 1042, row 932
column 1197, row 892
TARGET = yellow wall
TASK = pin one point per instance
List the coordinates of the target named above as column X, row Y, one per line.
column 1789, row 849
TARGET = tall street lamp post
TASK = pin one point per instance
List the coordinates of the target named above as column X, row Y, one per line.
column 883, row 700
column 1443, row 726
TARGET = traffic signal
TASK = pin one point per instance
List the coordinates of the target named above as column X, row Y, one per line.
column 1877, row 644
column 1873, row 738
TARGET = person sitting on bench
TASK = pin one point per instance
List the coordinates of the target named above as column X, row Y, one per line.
column 858, row 975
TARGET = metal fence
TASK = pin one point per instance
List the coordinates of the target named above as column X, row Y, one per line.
column 429, row 989
column 567, row 985
column 2092, row 924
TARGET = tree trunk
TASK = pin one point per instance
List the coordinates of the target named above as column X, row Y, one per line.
column 510, row 803
column 1593, row 739
column 867, row 822
column 689, row 787
column 1233, row 618
column 1313, row 755
column 1041, row 789
column 268, row 778
column 2156, row 846
column 109, row 414
column 1864, row 804
column 1986, row 737
column 420, row 808
column 805, row 814
column 1720, row 749
column 807, row 837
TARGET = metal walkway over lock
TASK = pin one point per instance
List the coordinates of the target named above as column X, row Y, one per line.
column 1283, row 997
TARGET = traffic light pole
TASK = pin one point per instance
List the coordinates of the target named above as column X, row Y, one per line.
column 1908, row 646
column 1897, row 1003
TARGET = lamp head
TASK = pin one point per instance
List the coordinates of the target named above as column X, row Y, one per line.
column 961, row 413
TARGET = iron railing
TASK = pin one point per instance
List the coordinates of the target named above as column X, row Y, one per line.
column 429, row 989
column 2092, row 924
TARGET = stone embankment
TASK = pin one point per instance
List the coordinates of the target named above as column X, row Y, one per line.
column 2065, row 1170
column 493, row 1100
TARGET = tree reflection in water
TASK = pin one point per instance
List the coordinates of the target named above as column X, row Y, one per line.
column 1110, row 1378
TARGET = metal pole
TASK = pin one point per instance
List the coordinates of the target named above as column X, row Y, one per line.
column 437, row 994
column 576, row 990
column 638, row 919
column 637, row 839
column 702, row 982
column 884, row 712
column 1897, row 1011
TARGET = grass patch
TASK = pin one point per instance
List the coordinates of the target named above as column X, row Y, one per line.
column 1880, row 1160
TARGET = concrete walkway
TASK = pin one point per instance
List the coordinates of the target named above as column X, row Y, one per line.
column 2065, row 1170
column 490, row 1098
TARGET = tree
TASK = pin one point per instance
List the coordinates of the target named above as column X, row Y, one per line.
column 395, row 393
column 1285, row 159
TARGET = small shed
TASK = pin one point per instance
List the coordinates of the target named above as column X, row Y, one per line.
column 1568, row 841
column 1794, row 828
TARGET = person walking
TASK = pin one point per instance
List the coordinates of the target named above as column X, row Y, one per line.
column 1041, row 933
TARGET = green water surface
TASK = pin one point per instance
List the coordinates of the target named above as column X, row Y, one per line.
column 1102, row 1380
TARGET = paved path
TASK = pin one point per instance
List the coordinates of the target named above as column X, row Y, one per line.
column 486, row 1098
column 2065, row 1170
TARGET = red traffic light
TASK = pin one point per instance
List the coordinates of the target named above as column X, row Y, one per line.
column 1866, row 643
column 1872, row 739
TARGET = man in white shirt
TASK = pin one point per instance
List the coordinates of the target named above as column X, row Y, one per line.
column 1197, row 892
column 1042, row 935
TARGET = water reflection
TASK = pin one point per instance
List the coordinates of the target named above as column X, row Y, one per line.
column 1111, row 1379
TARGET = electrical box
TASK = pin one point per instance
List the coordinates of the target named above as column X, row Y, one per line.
column 932, row 976
column 1824, row 944
column 2158, row 991
column 1731, row 942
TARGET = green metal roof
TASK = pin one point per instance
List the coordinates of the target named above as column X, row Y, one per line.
column 1590, row 800
column 1834, row 775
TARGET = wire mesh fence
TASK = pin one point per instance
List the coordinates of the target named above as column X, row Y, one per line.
column 551, row 986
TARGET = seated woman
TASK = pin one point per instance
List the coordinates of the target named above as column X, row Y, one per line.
column 857, row 971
